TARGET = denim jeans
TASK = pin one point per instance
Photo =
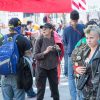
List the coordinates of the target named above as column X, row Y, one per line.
column 9, row 88
column 71, row 80
column 65, row 65
column 65, row 61
column 80, row 95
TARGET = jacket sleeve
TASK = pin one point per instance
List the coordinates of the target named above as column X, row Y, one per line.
column 98, row 91
column 38, row 55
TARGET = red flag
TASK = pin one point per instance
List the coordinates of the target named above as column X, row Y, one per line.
column 79, row 4
column 36, row 6
column 75, row 4
column 82, row 4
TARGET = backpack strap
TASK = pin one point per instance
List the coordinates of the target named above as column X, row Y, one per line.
column 15, row 44
column 77, row 30
column 14, row 38
column 6, row 38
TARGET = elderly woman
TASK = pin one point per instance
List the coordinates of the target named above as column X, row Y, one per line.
column 90, row 66
column 46, row 52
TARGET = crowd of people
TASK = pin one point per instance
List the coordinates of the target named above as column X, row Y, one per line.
column 45, row 46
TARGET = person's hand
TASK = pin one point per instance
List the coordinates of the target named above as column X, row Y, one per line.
column 48, row 49
column 81, row 70
column 57, row 47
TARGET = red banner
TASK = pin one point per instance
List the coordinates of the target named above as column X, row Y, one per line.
column 36, row 6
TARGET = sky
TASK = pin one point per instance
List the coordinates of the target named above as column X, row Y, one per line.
column 93, row 3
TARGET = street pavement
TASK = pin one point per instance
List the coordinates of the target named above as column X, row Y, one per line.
column 63, row 89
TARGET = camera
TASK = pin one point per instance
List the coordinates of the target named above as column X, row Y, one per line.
column 54, row 47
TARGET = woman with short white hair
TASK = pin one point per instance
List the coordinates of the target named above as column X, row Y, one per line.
column 91, row 64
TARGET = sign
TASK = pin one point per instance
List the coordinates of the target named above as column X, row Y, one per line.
column 36, row 6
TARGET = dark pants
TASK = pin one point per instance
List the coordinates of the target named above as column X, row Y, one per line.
column 31, row 93
column 41, row 77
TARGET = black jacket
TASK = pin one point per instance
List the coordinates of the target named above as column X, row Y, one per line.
column 95, row 71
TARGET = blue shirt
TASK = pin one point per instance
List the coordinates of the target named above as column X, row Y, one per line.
column 71, row 36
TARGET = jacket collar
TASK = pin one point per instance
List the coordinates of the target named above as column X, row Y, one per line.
column 97, row 55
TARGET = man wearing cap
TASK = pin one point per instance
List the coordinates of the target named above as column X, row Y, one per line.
column 46, row 53
column 9, row 84
column 71, row 35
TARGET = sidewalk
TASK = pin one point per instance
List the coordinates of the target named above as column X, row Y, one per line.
column 63, row 91
column 63, row 88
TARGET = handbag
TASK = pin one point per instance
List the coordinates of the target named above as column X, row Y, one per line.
column 81, row 81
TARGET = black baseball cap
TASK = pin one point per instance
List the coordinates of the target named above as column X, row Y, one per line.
column 14, row 22
column 48, row 25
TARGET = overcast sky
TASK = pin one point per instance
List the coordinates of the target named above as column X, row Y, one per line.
column 93, row 3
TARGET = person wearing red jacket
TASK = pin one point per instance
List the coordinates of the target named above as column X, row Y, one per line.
column 47, row 52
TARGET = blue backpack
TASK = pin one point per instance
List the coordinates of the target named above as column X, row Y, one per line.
column 9, row 56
